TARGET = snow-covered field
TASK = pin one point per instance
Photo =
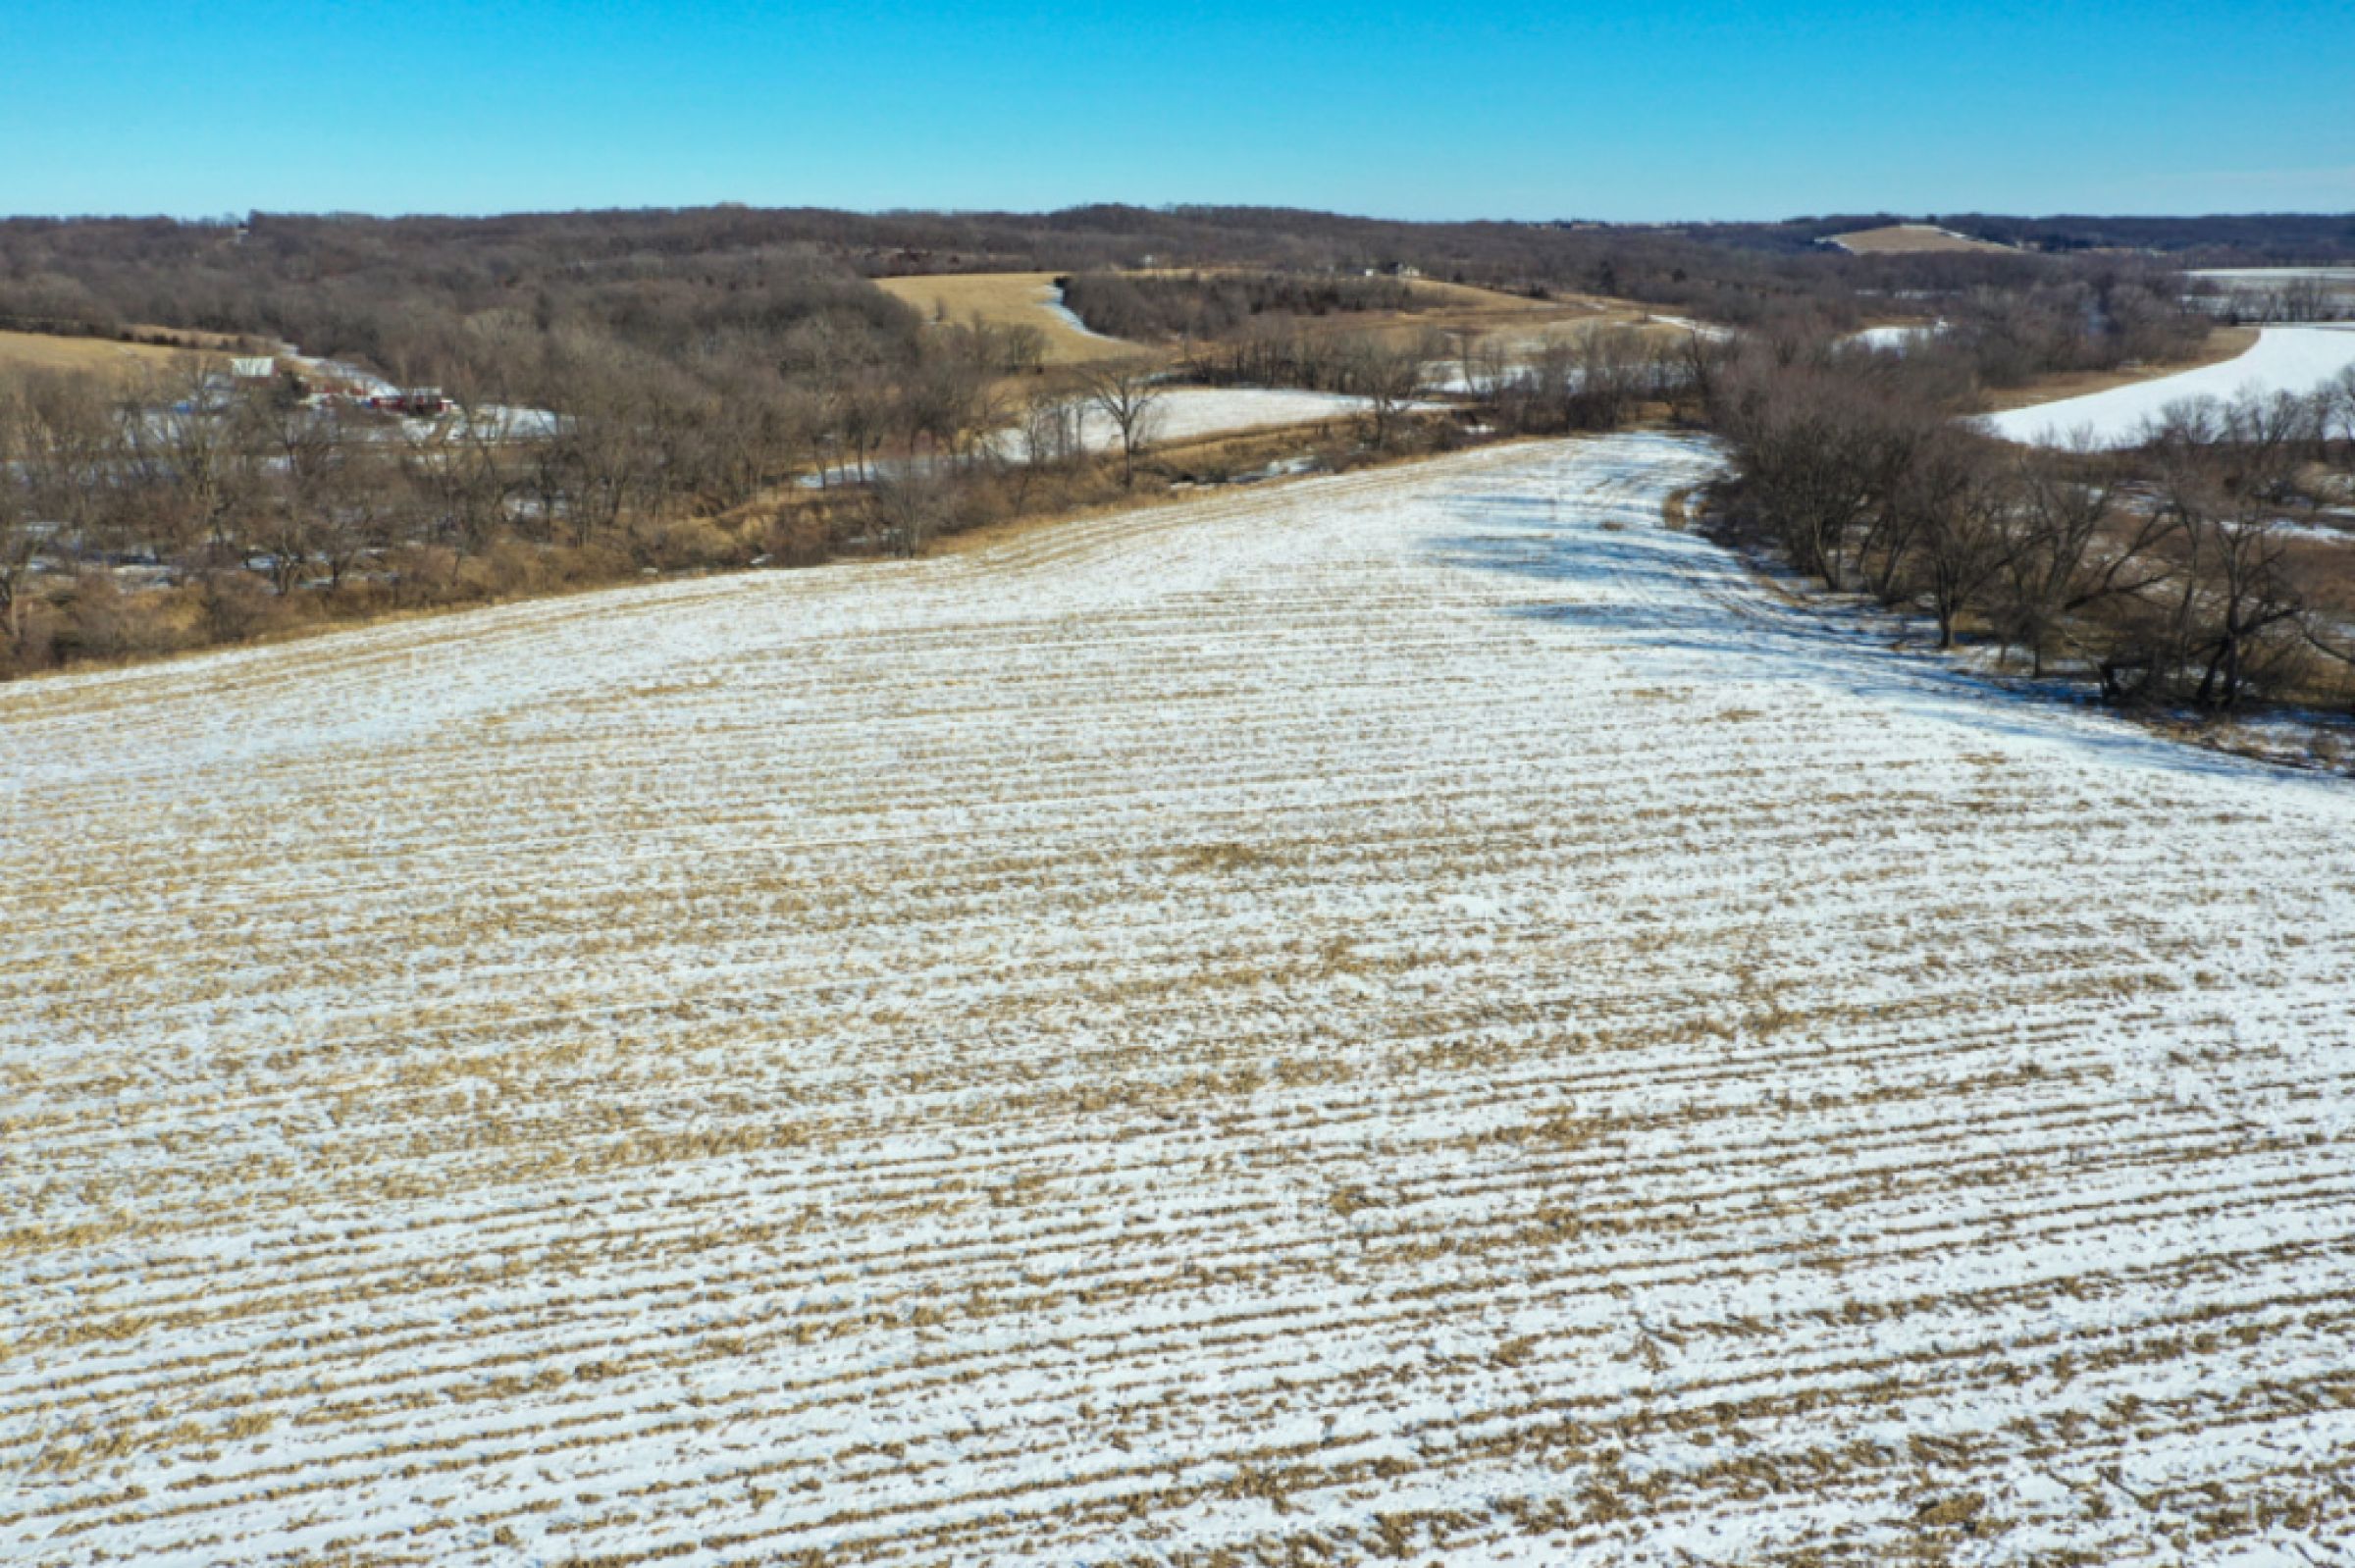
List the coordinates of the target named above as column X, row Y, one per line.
column 1416, row 1015
column 1185, row 413
column 2294, row 360
column 1181, row 413
column 1897, row 339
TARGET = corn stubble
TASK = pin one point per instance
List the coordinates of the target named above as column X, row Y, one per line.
column 1418, row 1015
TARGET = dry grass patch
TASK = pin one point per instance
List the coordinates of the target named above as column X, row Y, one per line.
column 102, row 356
column 1003, row 299
column 1912, row 238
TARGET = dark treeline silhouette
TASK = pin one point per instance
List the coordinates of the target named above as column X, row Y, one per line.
column 2252, row 240
column 2223, row 241
column 1146, row 307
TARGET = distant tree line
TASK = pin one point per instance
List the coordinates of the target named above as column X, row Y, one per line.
column 2186, row 572
column 1151, row 307
column 353, row 286
column 723, row 385
column 2293, row 299
column 2254, row 239
column 190, row 510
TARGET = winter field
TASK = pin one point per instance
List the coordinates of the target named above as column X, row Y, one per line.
column 1415, row 1015
column 1193, row 413
column 2291, row 359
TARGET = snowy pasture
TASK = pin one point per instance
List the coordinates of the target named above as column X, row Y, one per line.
column 2293, row 359
column 1417, row 1015
column 1190, row 413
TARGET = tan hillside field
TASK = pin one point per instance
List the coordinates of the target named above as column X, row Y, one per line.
column 1466, row 308
column 1005, row 299
column 40, row 351
column 1906, row 239
column 1473, row 311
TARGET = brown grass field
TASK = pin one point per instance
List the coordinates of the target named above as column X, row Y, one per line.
column 1463, row 308
column 1003, row 298
column 1525, row 324
column 40, row 351
column 1906, row 239
column 1019, row 298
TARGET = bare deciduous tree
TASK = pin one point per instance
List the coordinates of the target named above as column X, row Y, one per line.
column 912, row 505
column 19, row 541
column 1128, row 396
column 2337, row 398
column 1047, row 437
column 2050, row 530
column 457, row 469
column 1956, row 539
column 1386, row 374
column 188, row 443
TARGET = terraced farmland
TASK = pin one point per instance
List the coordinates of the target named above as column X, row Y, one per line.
column 1421, row 1015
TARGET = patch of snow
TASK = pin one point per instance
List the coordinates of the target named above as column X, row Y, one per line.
column 1186, row 413
column 1708, row 330
column 1050, row 298
column 1898, row 338
column 2294, row 359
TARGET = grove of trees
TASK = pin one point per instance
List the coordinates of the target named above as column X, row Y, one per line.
column 2185, row 572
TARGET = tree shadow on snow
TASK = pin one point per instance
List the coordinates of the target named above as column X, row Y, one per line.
column 1708, row 612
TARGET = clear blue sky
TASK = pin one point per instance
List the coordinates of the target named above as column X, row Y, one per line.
column 1712, row 109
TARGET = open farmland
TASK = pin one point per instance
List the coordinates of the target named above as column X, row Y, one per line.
column 1515, row 319
column 1007, row 299
column 43, row 352
column 1912, row 238
column 2281, row 359
column 1414, row 1014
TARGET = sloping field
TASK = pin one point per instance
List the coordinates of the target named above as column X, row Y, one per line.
column 2293, row 359
column 41, row 352
column 2333, row 286
column 1414, row 1016
column 1009, row 299
column 1467, row 309
column 1904, row 239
